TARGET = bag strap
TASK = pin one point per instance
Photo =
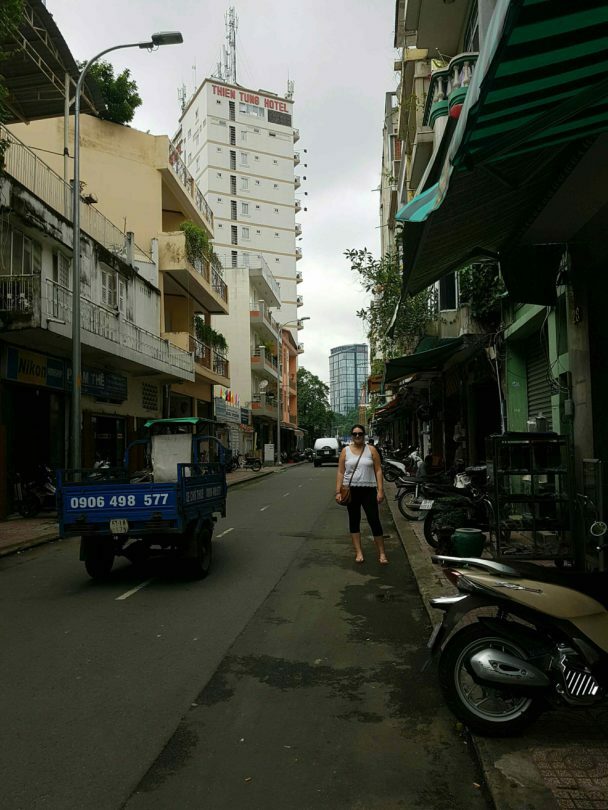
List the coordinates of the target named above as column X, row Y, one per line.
column 352, row 475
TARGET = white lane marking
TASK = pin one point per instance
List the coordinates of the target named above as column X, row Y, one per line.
column 264, row 508
column 223, row 533
column 134, row 590
column 286, row 494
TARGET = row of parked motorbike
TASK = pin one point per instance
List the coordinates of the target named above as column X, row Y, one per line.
column 442, row 501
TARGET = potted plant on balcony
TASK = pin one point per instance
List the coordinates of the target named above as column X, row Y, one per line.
column 197, row 243
column 208, row 335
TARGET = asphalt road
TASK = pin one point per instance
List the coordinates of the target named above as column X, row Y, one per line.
column 289, row 676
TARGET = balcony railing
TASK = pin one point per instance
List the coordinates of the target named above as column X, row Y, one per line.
column 188, row 182
column 297, row 181
column 219, row 285
column 18, row 293
column 205, row 356
column 296, row 135
column 298, row 206
column 255, row 261
column 298, row 253
column 300, row 301
column 298, row 229
column 448, row 87
column 27, row 169
column 105, row 322
column 296, row 158
column 261, row 307
column 299, row 276
column 266, row 358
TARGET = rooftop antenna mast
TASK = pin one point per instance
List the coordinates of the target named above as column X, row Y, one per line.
column 181, row 96
column 291, row 86
column 232, row 24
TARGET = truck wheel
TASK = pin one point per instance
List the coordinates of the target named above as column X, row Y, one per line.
column 201, row 563
column 99, row 557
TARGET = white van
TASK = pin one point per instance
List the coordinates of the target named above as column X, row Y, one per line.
column 326, row 450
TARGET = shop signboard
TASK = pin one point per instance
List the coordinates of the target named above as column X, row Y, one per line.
column 225, row 412
column 33, row 368
column 105, row 386
column 245, row 413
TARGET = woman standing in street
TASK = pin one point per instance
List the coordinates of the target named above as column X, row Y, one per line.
column 359, row 468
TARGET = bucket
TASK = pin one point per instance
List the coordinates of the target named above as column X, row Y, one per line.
column 468, row 542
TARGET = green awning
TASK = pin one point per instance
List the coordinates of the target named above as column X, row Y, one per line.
column 538, row 96
column 427, row 359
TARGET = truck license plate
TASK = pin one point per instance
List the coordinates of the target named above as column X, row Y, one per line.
column 119, row 526
column 426, row 505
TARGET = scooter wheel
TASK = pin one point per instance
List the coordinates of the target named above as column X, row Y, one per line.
column 430, row 528
column 256, row 466
column 390, row 475
column 409, row 505
column 485, row 710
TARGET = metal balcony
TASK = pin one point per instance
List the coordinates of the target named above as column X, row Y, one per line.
column 298, row 206
column 198, row 276
column 296, row 158
column 298, row 229
column 296, row 135
column 299, row 277
column 300, row 301
column 300, row 348
column 298, row 253
column 263, row 363
column 297, row 181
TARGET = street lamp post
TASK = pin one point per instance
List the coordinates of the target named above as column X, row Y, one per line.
column 156, row 40
column 281, row 326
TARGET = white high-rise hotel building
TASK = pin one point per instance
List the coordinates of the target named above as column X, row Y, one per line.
column 239, row 146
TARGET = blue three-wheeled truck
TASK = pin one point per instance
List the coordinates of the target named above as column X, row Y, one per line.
column 171, row 505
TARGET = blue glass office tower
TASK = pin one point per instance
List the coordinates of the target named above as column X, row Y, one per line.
column 348, row 372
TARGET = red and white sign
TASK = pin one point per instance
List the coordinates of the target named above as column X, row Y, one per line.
column 250, row 98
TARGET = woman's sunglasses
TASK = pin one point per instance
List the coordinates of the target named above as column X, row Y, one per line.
column 357, row 434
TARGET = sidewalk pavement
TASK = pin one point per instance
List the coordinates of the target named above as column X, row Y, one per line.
column 561, row 761
column 18, row 534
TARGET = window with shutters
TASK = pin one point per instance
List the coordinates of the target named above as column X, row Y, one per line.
column 234, row 257
column 61, row 270
column 232, row 159
column 538, row 379
column 231, row 110
column 232, row 136
column 245, row 234
column 234, row 235
column 122, row 296
column 244, row 184
column 244, row 158
column 233, row 184
column 245, row 209
column 109, row 289
column 232, row 209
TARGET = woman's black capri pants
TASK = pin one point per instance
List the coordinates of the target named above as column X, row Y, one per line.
column 364, row 497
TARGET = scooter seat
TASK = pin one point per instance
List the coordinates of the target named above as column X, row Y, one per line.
column 594, row 584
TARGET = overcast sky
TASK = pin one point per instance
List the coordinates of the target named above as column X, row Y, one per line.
column 340, row 55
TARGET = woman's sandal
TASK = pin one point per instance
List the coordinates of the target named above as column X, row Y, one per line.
column 359, row 560
column 383, row 561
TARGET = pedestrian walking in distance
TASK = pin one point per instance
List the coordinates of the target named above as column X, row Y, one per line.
column 360, row 470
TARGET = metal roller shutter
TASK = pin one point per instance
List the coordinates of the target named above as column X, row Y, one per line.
column 537, row 378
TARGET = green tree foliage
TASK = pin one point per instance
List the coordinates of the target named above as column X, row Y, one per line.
column 119, row 93
column 482, row 287
column 314, row 414
column 382, row 280
column 344, row 422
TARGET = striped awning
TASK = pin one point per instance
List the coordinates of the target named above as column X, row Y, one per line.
column 546, row 83
column 538, row 95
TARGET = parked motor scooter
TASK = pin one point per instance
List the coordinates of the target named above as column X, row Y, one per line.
column 37, row 493
column 545, row 645
column 250, row 463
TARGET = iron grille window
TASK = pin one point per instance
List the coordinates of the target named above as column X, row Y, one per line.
column 232, row 159
column 234, row 257
column 231, row 110
column 233, row 210
column 447, row 292
column 233, row 135
column 234, row 235
column 233, row 183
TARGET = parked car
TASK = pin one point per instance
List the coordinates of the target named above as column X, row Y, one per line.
column 326, row 451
